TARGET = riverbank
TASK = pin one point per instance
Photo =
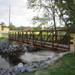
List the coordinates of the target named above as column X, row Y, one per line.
column 63, row 66
column 1, row 38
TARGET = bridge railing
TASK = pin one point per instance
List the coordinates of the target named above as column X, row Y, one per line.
column 53, row 38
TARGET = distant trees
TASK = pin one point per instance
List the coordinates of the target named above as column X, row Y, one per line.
column 3, row 25
column 12, row 27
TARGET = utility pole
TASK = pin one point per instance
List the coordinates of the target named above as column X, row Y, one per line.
column 9, row 16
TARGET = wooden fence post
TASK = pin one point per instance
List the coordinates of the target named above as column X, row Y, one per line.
column 74, row 43
column 72, row 49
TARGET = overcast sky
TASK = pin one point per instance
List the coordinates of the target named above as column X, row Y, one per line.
column 20, row 15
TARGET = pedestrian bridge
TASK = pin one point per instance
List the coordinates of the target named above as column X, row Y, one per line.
column 52, row 40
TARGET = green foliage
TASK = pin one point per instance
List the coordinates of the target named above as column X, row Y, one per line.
column 12, row 27
column 48, row 9
column 1, row 38
column 3, row 25
column 67, row 12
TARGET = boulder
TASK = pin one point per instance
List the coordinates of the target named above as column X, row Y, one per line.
column 29, row 64
column 41, row 61
column 48, row 62
column 35, row 65
column 48, row 58
column 11, row 70
column 43, row 64
column 17, row 70
column 13, row 73
column 23, row 69
column 20, row 65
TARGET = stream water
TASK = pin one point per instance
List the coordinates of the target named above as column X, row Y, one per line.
column 10, row 60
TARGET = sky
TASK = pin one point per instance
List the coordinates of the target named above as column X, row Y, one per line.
column 19, row 15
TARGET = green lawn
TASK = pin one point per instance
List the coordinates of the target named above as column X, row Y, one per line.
column 4, row 31
column 1, row 38
column 63, row 66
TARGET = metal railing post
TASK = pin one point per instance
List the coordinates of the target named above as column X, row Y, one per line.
column 52, row 41
column 33, row 38
column 26, row 38
column 22, row 36
column 41, row 37
column 18, row 36
column 15, row 35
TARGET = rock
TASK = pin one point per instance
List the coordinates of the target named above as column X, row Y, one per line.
column 23, row 70
column 26, row 70
column 41, row 61
column 13, row 74
column 35, row 65
column 30, row 64
column 43, row 64
column 31, row 49
column 48, row 58
column 11, row 70
column 38, row 63
column 24, row 49
column 48, row 62
column 25, row 65
column 54, row 59
column 62, row 54
column 18, row 70
column 7, row 74
column 20, row 65
column 29, row 69
column 4, row 72
column 1, row 48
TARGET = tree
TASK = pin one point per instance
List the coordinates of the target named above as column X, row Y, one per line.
column 67, row 13
column 3, row 25
column 12, row 27
column 48, row 9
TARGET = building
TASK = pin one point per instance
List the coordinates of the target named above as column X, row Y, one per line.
column 4, row 29
column 26, row 29
column 0, row 28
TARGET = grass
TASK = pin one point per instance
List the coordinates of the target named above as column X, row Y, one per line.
column 63, row 66
column 4, row 31
column 1, row 38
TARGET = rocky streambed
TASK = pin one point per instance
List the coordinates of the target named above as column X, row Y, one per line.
column 15, row 47
column 31, row 58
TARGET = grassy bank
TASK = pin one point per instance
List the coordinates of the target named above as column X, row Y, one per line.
column 63, row 66
column 1, row 38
